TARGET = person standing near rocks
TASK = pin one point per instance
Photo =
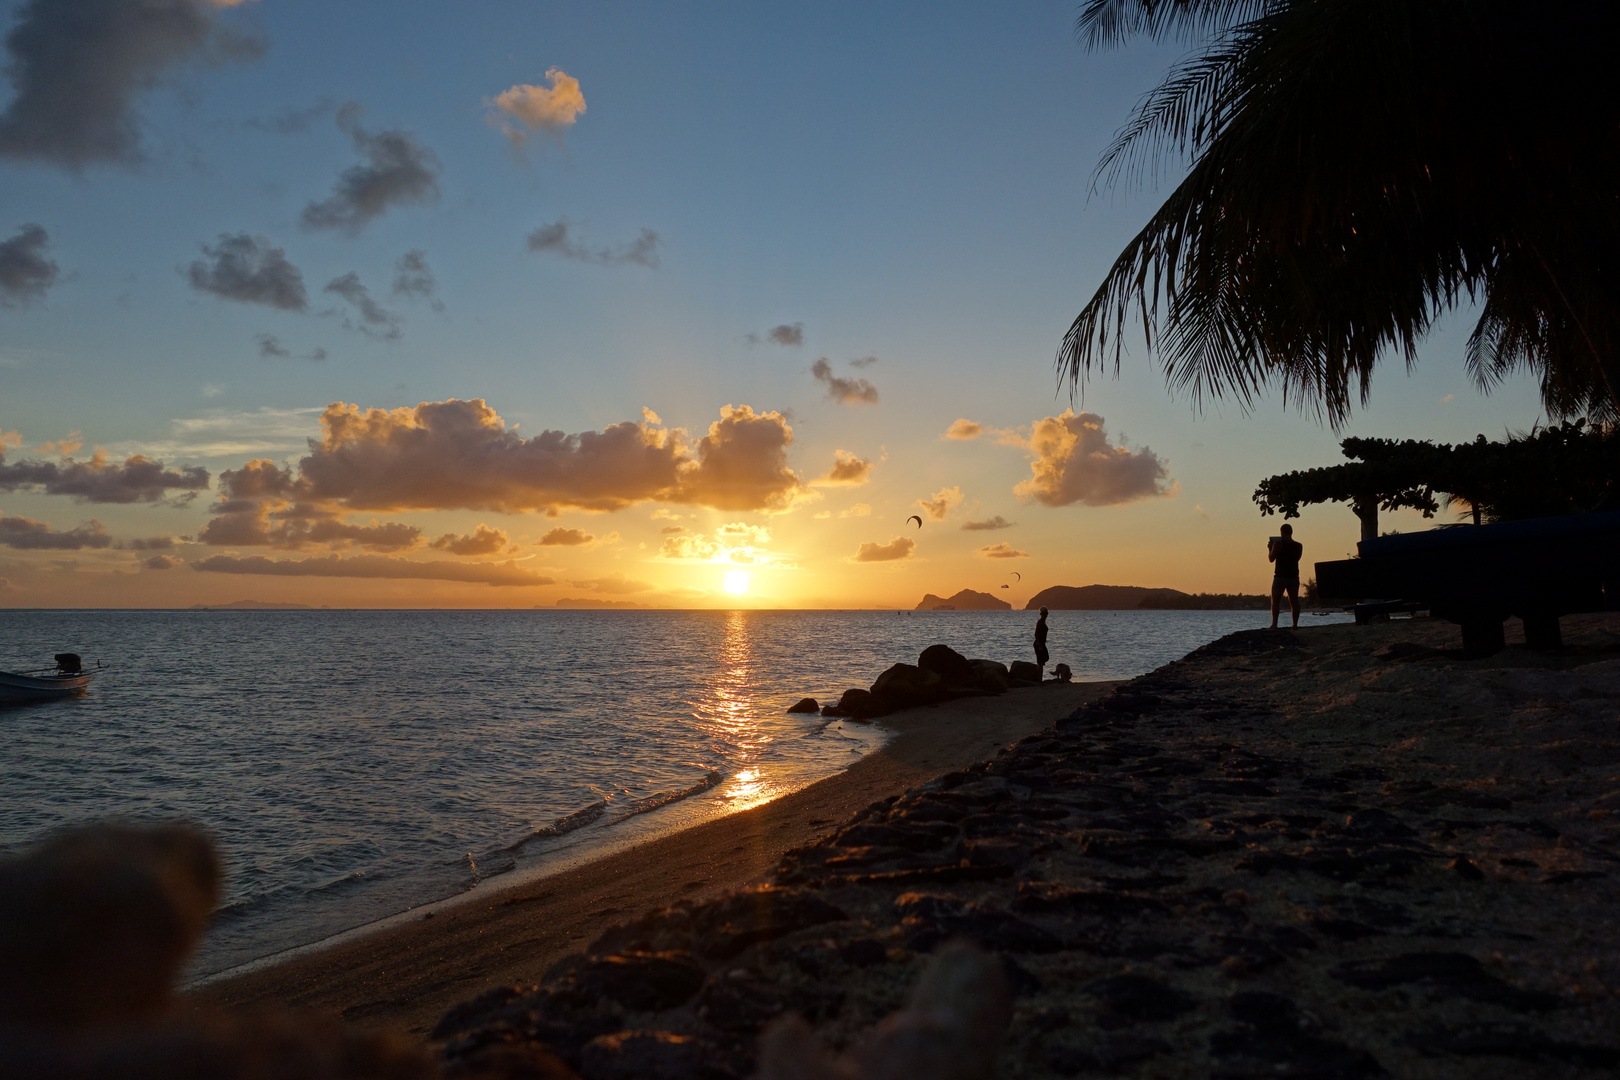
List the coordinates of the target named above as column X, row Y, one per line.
column 1041, row 655
column 1284, row 551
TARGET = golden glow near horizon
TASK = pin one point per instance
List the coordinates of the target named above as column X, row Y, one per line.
column 736, row 582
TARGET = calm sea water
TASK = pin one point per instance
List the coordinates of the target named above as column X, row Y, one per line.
column 355, row 764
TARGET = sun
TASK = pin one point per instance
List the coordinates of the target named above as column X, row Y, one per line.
column 736, row 582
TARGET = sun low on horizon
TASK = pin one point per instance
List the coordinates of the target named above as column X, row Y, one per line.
column 594, row 307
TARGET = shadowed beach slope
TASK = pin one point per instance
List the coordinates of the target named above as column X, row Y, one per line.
column 1341, row 852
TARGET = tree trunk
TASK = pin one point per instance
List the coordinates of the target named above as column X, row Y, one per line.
column 1367, row 511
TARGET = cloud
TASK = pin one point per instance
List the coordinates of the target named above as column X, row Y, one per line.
column 1001, row 551
column 863, row 362
column 556, row 239
column 736, row 542
column 741, row 464
column 483, row 541
column 847, row 470
column 270, row 346
column 10, row 440
column 77, row 68
column 560, row 537
column 525, row 109
column 614, row 583
column 787, row 334
column 138, row 479
column 900, row 547
column 858, row 510
column 398, row 171
column 1448, row 399
column 26, row 274
column 670, row 530
column 375, row 320
column 414, row 280
column 249, row 270
column 844, row 390
column 151, row 543
column 161, row 562
column 988, row 525
column 940, row 505
column 25, row 534
column 291, row 121
column 1074, row 462
column 374, row 566
column 963, row 428
column 459, row 455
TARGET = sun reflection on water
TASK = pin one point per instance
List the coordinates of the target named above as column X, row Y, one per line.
column 730, row 714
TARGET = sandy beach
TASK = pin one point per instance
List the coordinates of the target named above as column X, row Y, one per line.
column 404, row 977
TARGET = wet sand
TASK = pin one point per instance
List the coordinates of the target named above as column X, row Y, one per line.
column 405, row 976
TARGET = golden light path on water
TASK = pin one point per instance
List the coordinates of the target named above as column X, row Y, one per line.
column 729, row 713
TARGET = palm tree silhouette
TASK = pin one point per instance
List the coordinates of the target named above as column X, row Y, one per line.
column 1356, row 169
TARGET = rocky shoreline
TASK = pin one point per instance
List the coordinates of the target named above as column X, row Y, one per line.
column 1339, row 853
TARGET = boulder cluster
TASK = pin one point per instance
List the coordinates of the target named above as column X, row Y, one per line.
column 940, row 673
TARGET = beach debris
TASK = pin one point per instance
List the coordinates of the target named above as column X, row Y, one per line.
column 917, row 518
column 96, row 922
column 96, row 925
column 952, row 1028
column 805, row 705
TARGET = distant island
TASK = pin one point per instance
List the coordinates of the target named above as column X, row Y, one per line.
column 966, row 600
column 586, row 603
column 251, row 605
column 1137, row 598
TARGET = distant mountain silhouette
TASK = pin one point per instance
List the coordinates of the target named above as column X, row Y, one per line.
column 1135, row 597
column 594, row 604
column 966, row 600
column 251, row 605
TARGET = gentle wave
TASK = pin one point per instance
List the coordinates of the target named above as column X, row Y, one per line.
column 664, row 798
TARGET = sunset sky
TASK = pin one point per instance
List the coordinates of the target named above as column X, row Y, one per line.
column 490, row 304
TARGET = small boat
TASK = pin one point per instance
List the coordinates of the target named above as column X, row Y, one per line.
column 66, row 679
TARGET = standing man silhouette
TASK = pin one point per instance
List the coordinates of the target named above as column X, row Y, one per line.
column 1041, row 655
column 1284, row 551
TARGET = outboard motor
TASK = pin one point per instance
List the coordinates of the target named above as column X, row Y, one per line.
column 68, row 663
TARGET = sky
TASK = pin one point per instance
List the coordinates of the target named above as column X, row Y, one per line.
column 501, row 304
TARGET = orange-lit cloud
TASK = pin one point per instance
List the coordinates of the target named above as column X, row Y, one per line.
column 963, row 428
column 858, row 510
column 735, row 542
column 614, row 584
column 137, row 479
column 25, row 534
column 162, row 562
column 1074, row 462
column 10, row 440
column 64, row 447
column 741, row 464
column 482, row 541
column 460, row 455
column 1001, row 551
column 941, row 503
column 900, row 547
column 988, row 525
column 374, row 566
column 847, row 470
column 526, row 109
column 560, row 537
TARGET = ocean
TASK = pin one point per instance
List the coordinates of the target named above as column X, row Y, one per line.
column 356, row 764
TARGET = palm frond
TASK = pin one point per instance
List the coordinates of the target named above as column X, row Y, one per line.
column 1106, row 23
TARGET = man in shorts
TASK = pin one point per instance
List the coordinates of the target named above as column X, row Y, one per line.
column 1041, row 655
column 1284, row 551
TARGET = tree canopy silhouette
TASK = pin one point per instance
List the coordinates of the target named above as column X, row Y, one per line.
column 1356, row 169
column 1563, row 469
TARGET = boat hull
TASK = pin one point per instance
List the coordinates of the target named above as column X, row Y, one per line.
column 18, row 688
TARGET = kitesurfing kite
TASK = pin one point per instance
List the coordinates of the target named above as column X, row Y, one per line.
column 917, row 519
column 1017, row 575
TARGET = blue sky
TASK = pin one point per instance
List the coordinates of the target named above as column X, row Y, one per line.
column 911, row 183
